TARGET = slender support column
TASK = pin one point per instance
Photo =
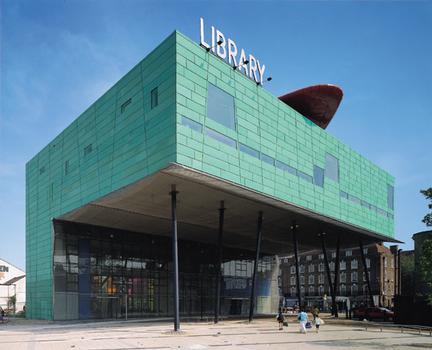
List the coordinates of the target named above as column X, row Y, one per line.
column 173, row 194
column 257, row 251
column 332, row 294
column 365, row 269
column 395, row 282
column 294, row 227
column 336, row 277
column 219, row 262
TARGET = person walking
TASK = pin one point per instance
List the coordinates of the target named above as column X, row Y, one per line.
column 302, row 318
column 280, row 318
column 315, row 312
column 2, row 314
column 318, row 322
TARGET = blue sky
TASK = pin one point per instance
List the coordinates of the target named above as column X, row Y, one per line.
column 57, row 57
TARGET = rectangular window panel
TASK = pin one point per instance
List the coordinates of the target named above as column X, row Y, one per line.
column 390, row 196
column 332, row 167
column 318, row 176
column 125, row 104
column 344, row 194
column 221, row 138
column 286, row 167
column 354, row 199
column 365, row 204
column 154, row 97
column 306, row 177
column 88, row 149
column 220, row 107
column 191, row 124
column 246, row 149
column 267, row 159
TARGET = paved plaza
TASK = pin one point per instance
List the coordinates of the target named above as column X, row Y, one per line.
column 261, row 334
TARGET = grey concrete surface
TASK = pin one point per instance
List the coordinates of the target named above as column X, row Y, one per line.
column 228, row 335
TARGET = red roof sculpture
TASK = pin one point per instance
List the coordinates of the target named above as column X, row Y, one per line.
column 317, row 103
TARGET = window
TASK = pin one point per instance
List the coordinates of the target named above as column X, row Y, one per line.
column 332, row 167
column 286, row 167
column 365, row 251
column 305, row 176
column 267, row 159
column 342, row 265
column 88, row 149
column 364, row 276
column 125, row 104
column 344, row 194
column 321, row 278
column 302, row 289
column 354, row 276
column 293, row 281
column 367, row 263
column 321, row 290
column 293, row 291
column 354, row 264
column 390, row 196
column 302, row 269
column 302, row 279
column 220, row 107
column 342, row 277
column 332, row 266
column 311, row 268
column 293, row 270
column 309, row 258
column 66, row 167
column 365, row 204
column 249, row 150
column 318, row 176
column 348, row 253
column 321, row 267
column 191, row 124
column 41, row 170
column 311, row 290
column 321, row 256
column 311, row 279
column 221, row 138
column 154, row 94
column 333, row 255
column 354, row 199
column 354, row 289
column 343, row 289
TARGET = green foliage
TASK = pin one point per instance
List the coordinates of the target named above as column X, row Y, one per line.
column 425, row 268
column 428, row 217
column 12, row 301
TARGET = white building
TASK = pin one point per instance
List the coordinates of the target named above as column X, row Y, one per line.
column 12, row 282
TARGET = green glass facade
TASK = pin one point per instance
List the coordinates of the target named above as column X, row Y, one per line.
column 158, row 114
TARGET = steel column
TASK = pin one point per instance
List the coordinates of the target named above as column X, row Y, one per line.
column 324, row 250
column 294, row 227
column 173, row 194
column 365, row 269
column 219, row 262
column 336, row 277
column 257, row 250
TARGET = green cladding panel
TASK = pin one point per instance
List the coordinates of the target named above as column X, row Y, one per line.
column 276, row 150
column 158, row 114
column 121, row 138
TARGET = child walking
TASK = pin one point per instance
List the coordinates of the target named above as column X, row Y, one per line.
column 318, row 322
column 280, row 318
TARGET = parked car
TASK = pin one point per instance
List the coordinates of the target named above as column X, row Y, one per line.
column 372, row 313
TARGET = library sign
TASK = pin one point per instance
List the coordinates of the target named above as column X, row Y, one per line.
column 228, row 51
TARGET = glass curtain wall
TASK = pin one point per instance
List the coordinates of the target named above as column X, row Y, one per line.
column 100, row 272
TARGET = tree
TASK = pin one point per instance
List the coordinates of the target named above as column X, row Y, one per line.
column 425, row 270
column 12, row 302
column 428, row 217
